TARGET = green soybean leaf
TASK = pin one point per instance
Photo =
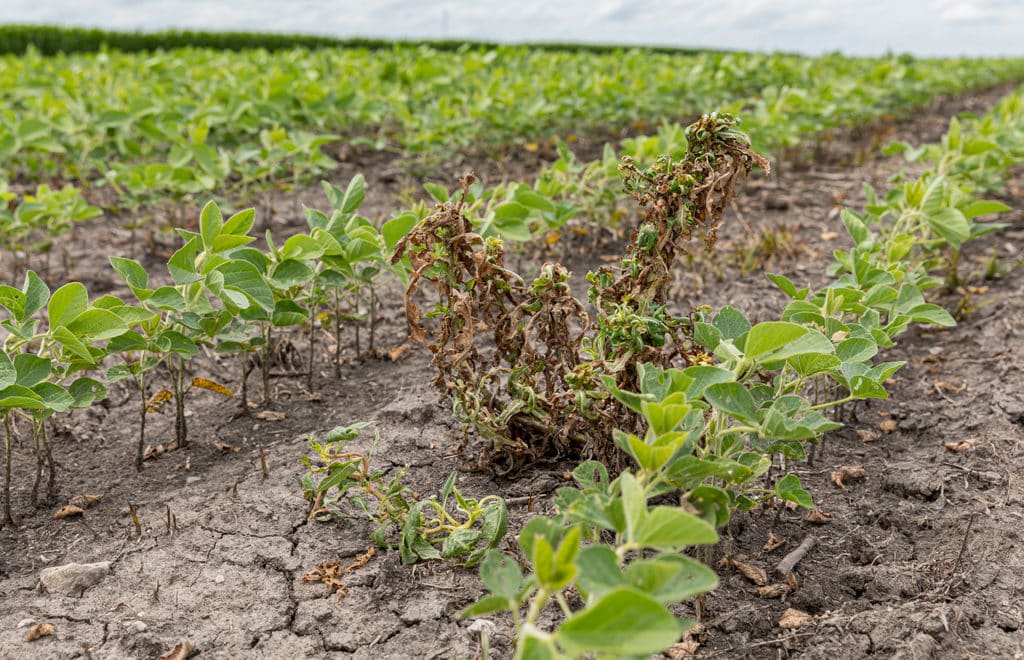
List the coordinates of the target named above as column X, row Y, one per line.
column 672, row 529
column 97, row 324
column 624, row 621
column 31, row 369
column 8, row 372
column 704, row 376
column 764, row 338
column 856, row 349
column 599, row 570
column 671, row 579
column 788, row 488
column 734, row 400
column 731, row 323
column 929, row 313
column 67, row 303
column 210, row 221
column 132, row 272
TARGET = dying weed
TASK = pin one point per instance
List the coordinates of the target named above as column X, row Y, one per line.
column 524, row 364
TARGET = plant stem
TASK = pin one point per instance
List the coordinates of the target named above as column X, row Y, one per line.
column 141, row 382
column 8, row 519
column 337, row 334
column 312, row 346
column 245, row 381
column 39, row 461
column 265, row 365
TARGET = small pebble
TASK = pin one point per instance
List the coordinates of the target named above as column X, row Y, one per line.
column 219, row 579
column 25, row 623
column 136, row 626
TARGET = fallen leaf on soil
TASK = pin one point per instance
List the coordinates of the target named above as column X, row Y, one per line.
column 867, row 435
column 959, row 446
column 67, row 512
column 39, row 630
column 329, row 573
column 829, row 236
column 847, row 473
column 179, row 652
column 271, row 415
column 362, row 560
column 888, row 425
column 818, row 517
column 224, row 447
column 86, row 501
column 155, row 404
column 791, row 580
column 752, row 573
column 773, row 542
column 398, row 351
column 774, row 591
column 153, row 452
column 949, row 387
column 688, row 646
column 794, row 619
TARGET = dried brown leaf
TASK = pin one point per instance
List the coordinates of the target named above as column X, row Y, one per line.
column 818, row 517
column 152, row 451
column 329, row 574
column 86, row 501
column 753, row 573
column 362, row 560
column 42, row 629
column 68, row 511
column 959, row 446
column 847, row 473
column 792, row 619
column 774, row 591
column 271, row 415
column 774, row 542
column 179, row 652
column 396, row 353
column 224, row 447
column 867, row 435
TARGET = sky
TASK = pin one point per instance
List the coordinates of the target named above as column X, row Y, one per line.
column 856, row 27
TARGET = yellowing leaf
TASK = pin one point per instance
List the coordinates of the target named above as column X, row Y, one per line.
column 157, row 401
column 532, row 147
column 213, row 386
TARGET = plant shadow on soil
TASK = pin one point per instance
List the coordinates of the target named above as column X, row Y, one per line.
column 921, row 558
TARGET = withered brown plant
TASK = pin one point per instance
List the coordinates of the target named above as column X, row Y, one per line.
column 523, row 364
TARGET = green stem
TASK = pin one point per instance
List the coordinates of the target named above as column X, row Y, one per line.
column 8, row 518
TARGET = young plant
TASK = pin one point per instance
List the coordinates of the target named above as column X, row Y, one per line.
column 446, row 527
column 211, row 287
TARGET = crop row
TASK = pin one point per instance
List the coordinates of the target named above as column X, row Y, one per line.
column 166, row 126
